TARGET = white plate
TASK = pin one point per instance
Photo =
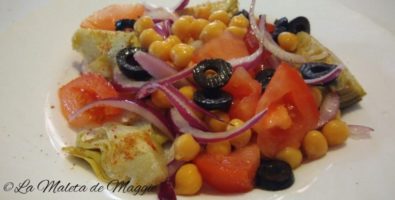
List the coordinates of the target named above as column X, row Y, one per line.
column 36, row 55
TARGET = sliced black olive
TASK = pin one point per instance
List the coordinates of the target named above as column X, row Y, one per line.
column 212, row 73
column 281, row 22
column 243, row 12
column 213, row 100
column 299, row 24
column 314, row 70
column 274, row 175
column 124, row 24
column 129, row 66
column 264, row 77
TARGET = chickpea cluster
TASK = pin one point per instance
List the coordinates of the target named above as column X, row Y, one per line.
column 178, row 48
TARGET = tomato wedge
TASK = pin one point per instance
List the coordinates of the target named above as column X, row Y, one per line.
column 83, row 90
column 288, row 90
column 231, row 173
column 245, row 91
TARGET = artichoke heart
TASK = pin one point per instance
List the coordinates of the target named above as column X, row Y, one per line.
column 123, row 153
column 349, row 89
column 92, row 157
column 99, row 48
column 230, row 6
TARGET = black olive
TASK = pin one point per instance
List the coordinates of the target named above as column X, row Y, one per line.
column 299, row 24
column 129, row 66
column 314, row 70
column 274, row 175
column 277, row 31
column 264, row 77
column 212, row 73
column 124, row 24
column 281, row 22
column 243, row 12
column 213, row 100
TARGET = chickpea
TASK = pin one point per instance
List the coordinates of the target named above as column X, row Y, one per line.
column 239, row 21
column 290, row 155
column 222, row 148
column 336, row 132
column 217, row 125
column 315, row 145
column 212, row 30
column 220, row 15
column 160, row 49
column 181, row 27
column 288, row 41
column 188, row 91
column 181, row 54
column 242, row 139
column 160, row 100
column 148, row 36
column 188, row 180
column 237, row 31
column 186, row 148
column 143, row 23
column 197, row 27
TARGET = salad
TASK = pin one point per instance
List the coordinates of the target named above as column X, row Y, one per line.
column 208, row 95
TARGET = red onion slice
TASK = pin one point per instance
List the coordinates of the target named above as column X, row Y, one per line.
column 148, row 113
column 328, row 109
column 247, row 61
column 358, row 132
column 181, row 5
column 190, row 103
column 166, row 190
column 327, row 77
column 208, row 137
column 153, row 65
column 183, row 105
column 163, row 28
column 173, row 166
column 151, row 87
column 265, row 39
column 160, row 13
column 123, row 84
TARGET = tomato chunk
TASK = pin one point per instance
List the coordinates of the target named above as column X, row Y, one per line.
column 245, row 91
column 83, row 90
column 225, row 46
column 286, row 89
column 233, row 173
column 105, row 18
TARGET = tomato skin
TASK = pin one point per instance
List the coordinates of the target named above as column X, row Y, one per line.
column 286, row 88
column 252, row 44
column 245, row 91
column 105, row 18
column 225, row 46
column 243, row 108
column 233, row 173
column 83, row 90
column 251, row 41
column 270, row 27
